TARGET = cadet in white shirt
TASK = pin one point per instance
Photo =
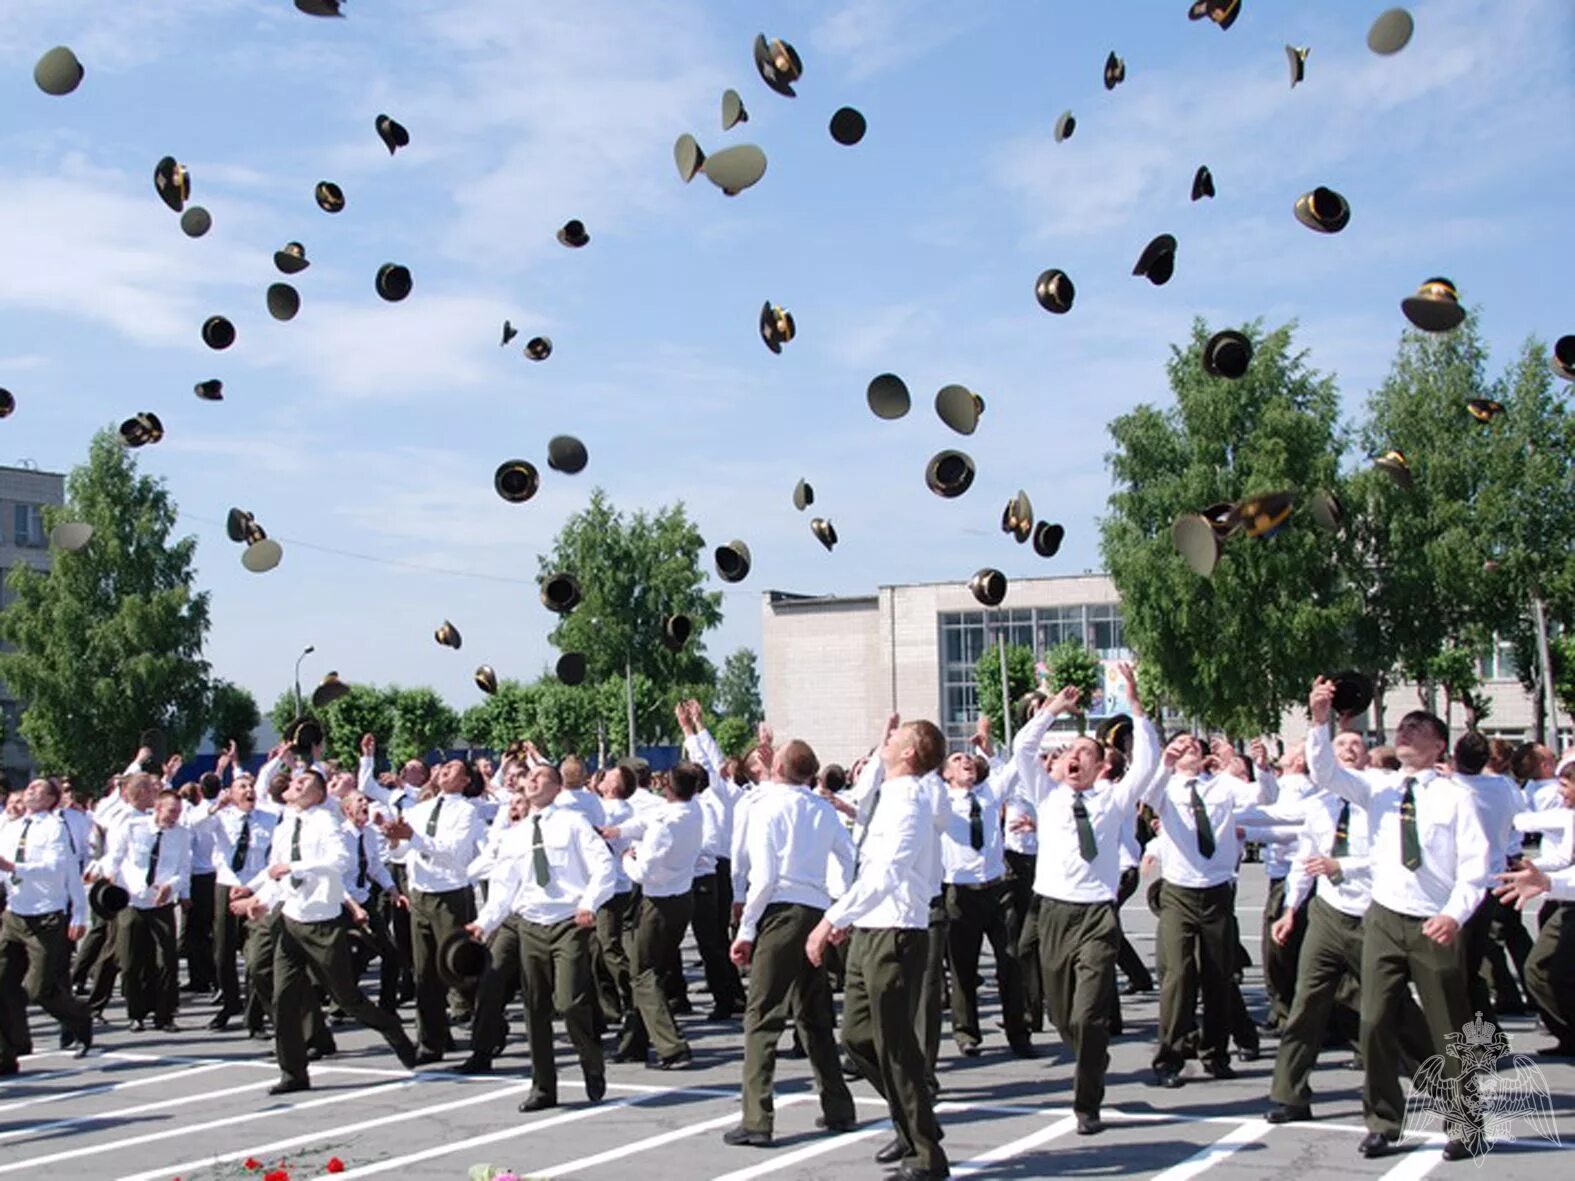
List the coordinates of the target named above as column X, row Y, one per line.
column 888, row 908
column 1550, row 968
column 609, row 955
column 794, row 836
column 1430, row 868
column 554, row 874
column 240, row 835
column 312, row 945
column 150, row 857
column 46, row 912
column 713, row 872
column 398, row 983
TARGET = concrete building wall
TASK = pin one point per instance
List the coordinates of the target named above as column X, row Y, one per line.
column 23, row 494
column 830, row 672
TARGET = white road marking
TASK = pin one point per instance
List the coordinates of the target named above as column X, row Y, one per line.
column 786, row 1160
column 638, row 1146
column 198, row 1100
column 1416, row 1164
column 1015, row 1147
column 1233, row 1141
column 105, row 1088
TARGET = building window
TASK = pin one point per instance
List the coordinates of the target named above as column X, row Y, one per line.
column 1499, row 664
column 29, row 525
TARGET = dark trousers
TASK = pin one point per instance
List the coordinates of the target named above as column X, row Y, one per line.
column 1022, row 933
column 1128, row 959
column 1550, row 971
column 98, row 940
column 1079, row 943
column 319, row 953
column 1489, row 980
column 710, row 925
column 433, row 918
column 783, row 984
column 229, row 937
column 1279, row 963
column 196, row 935
column 1197, row 949
column 489, row 1027
column 878, row 1010
column 932, row 993
column 1509, row 943
column 974, row 914
column 148, row 956
column 33, row 954
column 610, row 959
column 658, row 928
column 1396, row 956
column 396, row 982
column 262, row 947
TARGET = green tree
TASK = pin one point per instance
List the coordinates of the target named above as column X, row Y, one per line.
column 109, row 642
column 738, row 688
column 1072, row 662
column 1237, row 649
column 232, row 715
column 1020, row 679
column 366, row 709
column 509, row 715
column 423, row 723
column 734, row 735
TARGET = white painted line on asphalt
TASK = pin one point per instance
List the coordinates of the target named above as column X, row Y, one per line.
column 786, row 1160
column 1416, row 1164
column 74, row 1121
column 105, row 1088
column 638, row 1146
column 1231, row 1142
column 29, row 1079
column 1016, row 1147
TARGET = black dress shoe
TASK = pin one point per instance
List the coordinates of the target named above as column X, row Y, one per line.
column 1089, row 1125
column 623, row 1057
column 258, row 1034
column 742, row 1137
column 1169, row 1079
column 1220, row 1070
column 1456, row 1150
column 1250, row 1054
column 428, row 1057
column 914, row 1173
column 536, row 1101
column 1136, row 989
column 595, row 1087
column 9, row 1066
column 1558, row 1050
column 1289, row 1113
column 681, row 1008
column 166, row 1027
column 969, row 1049
column 474, row 1065
column 406, row 1052
column 138, row 1026
column 1023, row 1048
column 836, row 1125
column 1377, row 1144
column 1269, row 1026
column 892, row 1152
column 288, row 1086
column 678, row 1061
column 720, row 1014
column 221, row 1019
column 849, row 1070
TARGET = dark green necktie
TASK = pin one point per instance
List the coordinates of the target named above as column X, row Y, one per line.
column 243, row 844
column 1410, row 841
column 432, row 820
column 1085, row 831
column 295, row 847
column 21, row 849
column 153, row 857
column 538, row 853
column 1342, row 832
column 975, row 823
column 360, row 861
column 1200, row 817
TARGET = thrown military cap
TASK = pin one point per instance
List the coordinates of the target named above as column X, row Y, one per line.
column 1158, row 261
column 688, row 156
column 329, row 691
column 1018, row 517
column 566, row 454
column 7, row 403
column 573, row 234
column 58, row 72
column 1296, row 56
column 1221, row 12
column 292, row 259
column 888, row 396
column 1326, row 510
column 1435, row 307
column 560, row 592
column 1264, row 516
column 778, row 64
column 676, row 630
column 284, row 301
column 71, row 536
column 959, row 408
column 572, row 668
column 825, row 532
column 393, row 134
column 393, row 281
column 538, row 348
column 107, row 899
column 237, row 523
column 320, row 7
column 486, row 679
column 988, row 586
column 1065, row 126
column 1396, row 466
column 1227, row 354
column 949, row 474
column 776, row 326
column 1484, row 409
column 1563, row 360
column 448, row 635
column 263, row 553
column 1323, row 210
column 732, row 561
column 196, row 222
column 1197, row 542
column 1353, row 692
column 1115, row 71
column 462, row 961
column 1055, row 292
column 1048, row 539
column 1391, row 32
column 172, row 182
column 1202, row 183
column 803, row 495
column 1115, row 731
column 330, row 197
column 733, row 112
column 847, row 126
column 1223, row 518
column 516, row 480
column 509, row 333
column 143, row 429
column 735, row 169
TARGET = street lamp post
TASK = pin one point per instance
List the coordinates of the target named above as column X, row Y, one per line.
column 298, row 703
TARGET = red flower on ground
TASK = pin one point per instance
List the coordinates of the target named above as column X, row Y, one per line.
column 335, row 1165
column 276, row 1175
column 252, row 1163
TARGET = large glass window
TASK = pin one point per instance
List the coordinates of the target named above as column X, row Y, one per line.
column 1499, row 664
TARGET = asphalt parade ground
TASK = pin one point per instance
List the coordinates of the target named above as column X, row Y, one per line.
column 193, row 1105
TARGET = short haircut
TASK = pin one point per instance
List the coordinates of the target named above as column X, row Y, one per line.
column 981, row 768
column 684, row 780
column 833, row 778
column 1115, row 764
column 168, row 793
column 1500, row 751
column 1471, row 753
column 1384, row 757
column 798, row 761
column 572, row 770
column 1427, row 721
column 210, row 785
column 53, row 786
column 622, row 780
column 316, row 776
column 1524, row 763
column 929, row 746
column 553, row 774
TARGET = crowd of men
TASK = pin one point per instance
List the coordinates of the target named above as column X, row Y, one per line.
column 1397, row 877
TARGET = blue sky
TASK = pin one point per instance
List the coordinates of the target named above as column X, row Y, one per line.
column 375, row 428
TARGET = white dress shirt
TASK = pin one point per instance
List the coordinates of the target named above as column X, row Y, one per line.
column 79, row 834
column 47, row 878
column 578, row 799
column 1352, row 893
column 580, row 870
column 440, row 862
column 366, row 868
column 130, row 854
column 192, row 816
column 1561, row 885
column 1545, row 794
column 1498, row 800
column 397, row 801
column 1279, row 848
column 617, row 813
column 900, row 859
column 1183, row 862
column 316, row 847
column 1456, row 855
column 961, row 863
column 224, row 828
column 717, row 801
column 794, row 836
column 664, row 857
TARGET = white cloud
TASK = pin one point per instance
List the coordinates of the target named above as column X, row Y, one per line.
column 872, row 36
